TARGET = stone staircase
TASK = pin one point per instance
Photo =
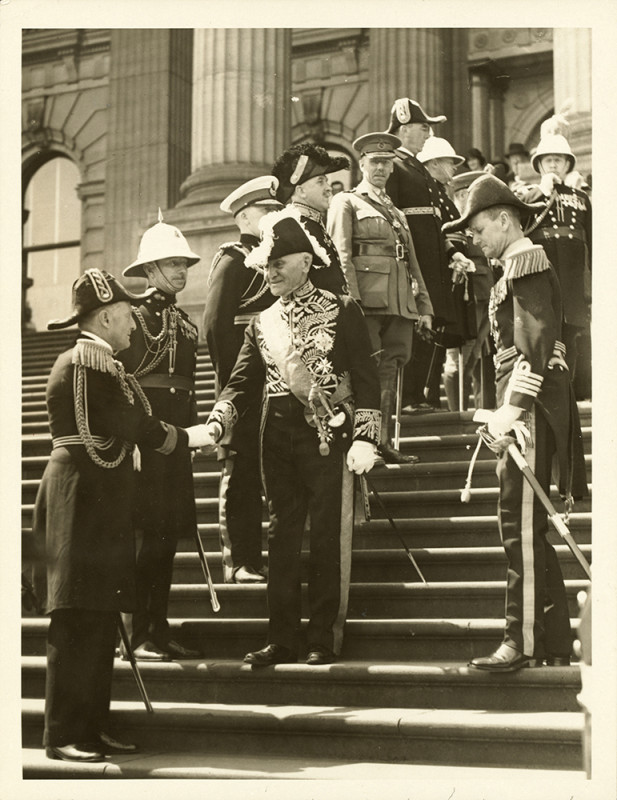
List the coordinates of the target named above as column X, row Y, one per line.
column 400, row 703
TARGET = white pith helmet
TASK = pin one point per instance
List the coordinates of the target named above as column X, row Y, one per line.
column 553, row 143
column 436, row 147
column 160, row 241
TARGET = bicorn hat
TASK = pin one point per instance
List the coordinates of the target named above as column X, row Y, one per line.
column 283, row 233
column 92, row 290
column 486, row 192
column 256, row 192
column 158, row 242
column 406, row 111
column 464, row 179
column 302, row 162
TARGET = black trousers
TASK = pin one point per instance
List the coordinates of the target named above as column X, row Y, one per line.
column 241, row 508
column 537, row 619
column 298, row 480
column 416, row 373
column 80, row 660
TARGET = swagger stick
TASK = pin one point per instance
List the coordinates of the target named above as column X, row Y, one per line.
column 131, row 657
column 216, row 606
column 394, row 528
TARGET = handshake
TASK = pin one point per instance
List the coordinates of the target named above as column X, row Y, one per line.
column 204, row 435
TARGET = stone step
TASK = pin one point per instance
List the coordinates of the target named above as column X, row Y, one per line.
column 196, row 764
column 349, row 683
column 420, row 735
column 405, row 640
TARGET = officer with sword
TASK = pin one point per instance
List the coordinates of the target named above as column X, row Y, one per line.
column 535, row 402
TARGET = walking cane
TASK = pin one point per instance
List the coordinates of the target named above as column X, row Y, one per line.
column 131, row 657
column 558, row 522
column 398, row 408
column 461, row 381
column 433, row 362
column 216, row 606
column 370, row 485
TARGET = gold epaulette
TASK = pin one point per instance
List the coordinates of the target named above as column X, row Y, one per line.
column 95, row 356
column 527, row 262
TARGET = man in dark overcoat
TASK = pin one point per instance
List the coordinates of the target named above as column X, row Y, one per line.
column 534, row 394
column 416, row 193
column 83, row 514
column 162, row 356
column 237, row 293
column 308, row 357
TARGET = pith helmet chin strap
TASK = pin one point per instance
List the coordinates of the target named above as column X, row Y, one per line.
column 159, row 280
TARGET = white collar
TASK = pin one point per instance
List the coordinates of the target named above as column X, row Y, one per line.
column 516, row 247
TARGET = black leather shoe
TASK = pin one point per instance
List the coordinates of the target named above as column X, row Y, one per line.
column 248, row 575
column 320, row 655
column 147, row 651
column 110, row 745
column 175, row 650
column 270, row 654
column 392, row 456
column 557, row 661
column 74, row 752
column 504, row 659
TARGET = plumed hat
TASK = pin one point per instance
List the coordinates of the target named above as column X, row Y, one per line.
column 92, row 290
column 486, row 192
column 283, row 233
column 406, row 111
column 302, row 162
column 553, row 143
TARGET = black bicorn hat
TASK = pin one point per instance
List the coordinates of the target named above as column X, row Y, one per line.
column 406, row 111
column 485, row 192
column 283, row 233
column 300, row 163
column 92, row 290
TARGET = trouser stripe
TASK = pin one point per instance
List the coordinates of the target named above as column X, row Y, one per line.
column 527, row 548
column 347, row 487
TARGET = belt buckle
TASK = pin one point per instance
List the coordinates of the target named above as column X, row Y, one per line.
column 400, row 252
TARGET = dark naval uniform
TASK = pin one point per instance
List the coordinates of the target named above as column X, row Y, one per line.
column 237, row 293
column 330, row 277
column 564, row 231
column 416, row 193
column 162, row 356
column 312, row 341
column 83, row 514
column 531, row 373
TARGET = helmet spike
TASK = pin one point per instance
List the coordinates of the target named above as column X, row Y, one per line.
column 160, row 215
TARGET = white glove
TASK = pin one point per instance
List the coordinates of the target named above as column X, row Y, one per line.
column 547, row 183
column 502, row 421
column 202, row 435
column 361, row 457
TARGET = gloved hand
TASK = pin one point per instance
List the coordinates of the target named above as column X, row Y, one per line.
column 502, row 421
column 547, row 183
column 424, row 323
column 203, row 435
column 460, row 266
column 361, row 457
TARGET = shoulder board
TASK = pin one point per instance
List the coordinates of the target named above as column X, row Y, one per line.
column 528, row 262
column 227, row 248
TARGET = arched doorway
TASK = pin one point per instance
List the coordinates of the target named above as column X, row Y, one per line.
column 51, row 240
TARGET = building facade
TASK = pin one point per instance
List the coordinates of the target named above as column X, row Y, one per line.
column 118, row 123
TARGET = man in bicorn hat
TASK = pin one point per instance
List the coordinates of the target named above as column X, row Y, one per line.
column 308, row 359
column 379, row 260
column 237, row 293
column 563, row 228
column 162, row 356
column 302, row 172
column 533, row 389
column 416, row 193
column 83, row 514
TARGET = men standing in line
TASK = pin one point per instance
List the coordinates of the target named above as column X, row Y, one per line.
column 83, row 514
column 563, row 228
column 533, row 390
column 302, row 172
column 378, row 258
column 308, row 357
column 237, row 293
column 162, row 356
column 415, row 192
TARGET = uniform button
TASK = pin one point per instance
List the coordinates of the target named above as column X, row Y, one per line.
column 556, row 236
column 158, row 313
column 555, row 226
column 572, row 226
column 570, row 236
column 172, row 390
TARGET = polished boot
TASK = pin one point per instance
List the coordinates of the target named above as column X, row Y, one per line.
column 271, row 654
column 79, row 753
column 385, row 449
column 320, row 655
column 504, row 659
column 248, row 575
column 146, row 651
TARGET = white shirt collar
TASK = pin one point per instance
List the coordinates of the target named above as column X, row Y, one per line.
column 364, row 187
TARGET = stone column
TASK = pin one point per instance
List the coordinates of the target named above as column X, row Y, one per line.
column 149, row 133
column 572, row 79
column 405, row 62
column 241, row 100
